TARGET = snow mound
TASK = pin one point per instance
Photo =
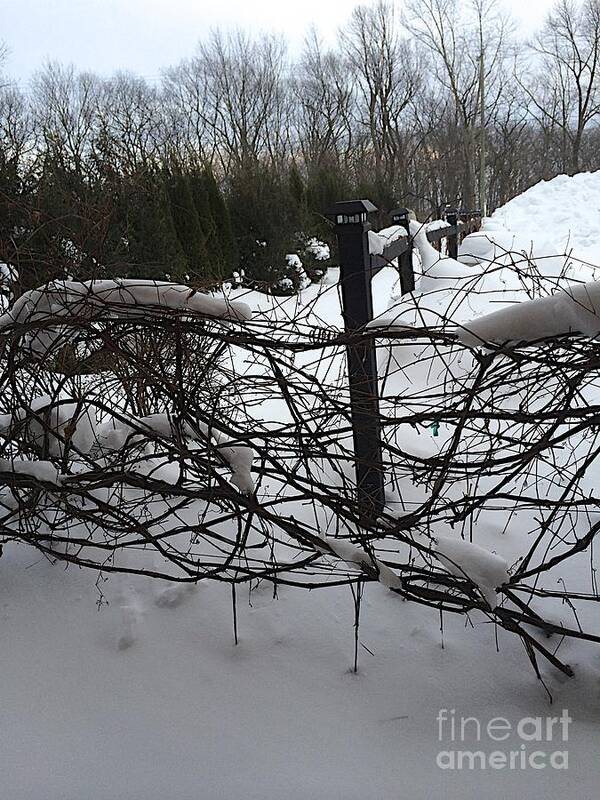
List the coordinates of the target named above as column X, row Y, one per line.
column 488, row 244
column 565, row 209
column 437, row 272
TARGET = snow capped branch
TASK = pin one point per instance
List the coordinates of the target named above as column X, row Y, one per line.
column 115, row 433
column 573, row 310
column 358, row 558
column 129, row 296
column 468, row 560
column 43, row 471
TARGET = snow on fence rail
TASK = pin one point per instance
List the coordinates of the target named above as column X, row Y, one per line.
column 188, row 441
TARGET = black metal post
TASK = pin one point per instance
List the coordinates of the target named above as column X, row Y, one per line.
column 463, row 216
column 351, row 227
column 452, row 219
column 400, row 216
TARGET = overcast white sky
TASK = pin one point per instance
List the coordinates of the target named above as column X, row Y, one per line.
column 146, row 35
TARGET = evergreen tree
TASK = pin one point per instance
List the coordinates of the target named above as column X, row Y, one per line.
column 298, row 192
column 151, row 237
column 221, row 241
column 187, row 225
column 206, row 222
column 266, row 221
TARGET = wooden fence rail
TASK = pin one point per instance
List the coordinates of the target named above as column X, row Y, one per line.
column 357, row 268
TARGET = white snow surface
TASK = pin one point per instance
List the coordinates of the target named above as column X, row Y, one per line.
column 551, row 221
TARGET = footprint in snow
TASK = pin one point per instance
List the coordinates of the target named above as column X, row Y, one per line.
column 130, row 617
column 174, row 595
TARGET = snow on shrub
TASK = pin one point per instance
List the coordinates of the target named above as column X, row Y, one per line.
column 314, row 254
column 128, row 297
column 319, row 250
column 46, row 423
column 302, row 279
column 116, row 433
column 294, row 277
column 468, row 560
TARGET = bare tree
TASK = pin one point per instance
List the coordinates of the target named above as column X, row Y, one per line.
column 17, row 132
column 129, row 124
column 566, row 92
column 3, row 55
column 245, row 96
column 65, row 105
column 190, row 117
column 388, row 76
column 323, row 106
column 459, row 43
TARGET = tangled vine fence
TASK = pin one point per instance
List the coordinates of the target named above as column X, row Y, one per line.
column 148, row 429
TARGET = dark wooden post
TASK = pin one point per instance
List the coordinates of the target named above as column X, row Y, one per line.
column 452, row 219
column 352, row 227
column 463, row 216
column 400, row 216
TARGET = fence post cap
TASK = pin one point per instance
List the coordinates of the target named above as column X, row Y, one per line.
column 350, row 212
column 399, row 213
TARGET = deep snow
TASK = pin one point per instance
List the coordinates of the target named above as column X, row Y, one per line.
column 562, row 214
column 175, row 710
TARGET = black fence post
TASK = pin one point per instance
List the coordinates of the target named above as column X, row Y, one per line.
column 400, row 216
column 452, row 219
column 463, row 216
column 352, row 227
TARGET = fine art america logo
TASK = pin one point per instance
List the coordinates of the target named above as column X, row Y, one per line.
column 473, row 744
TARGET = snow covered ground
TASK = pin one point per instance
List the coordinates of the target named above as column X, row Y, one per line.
column 562, row 215
column 184, row 713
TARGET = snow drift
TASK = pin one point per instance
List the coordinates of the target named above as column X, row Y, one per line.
column 574, row 310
